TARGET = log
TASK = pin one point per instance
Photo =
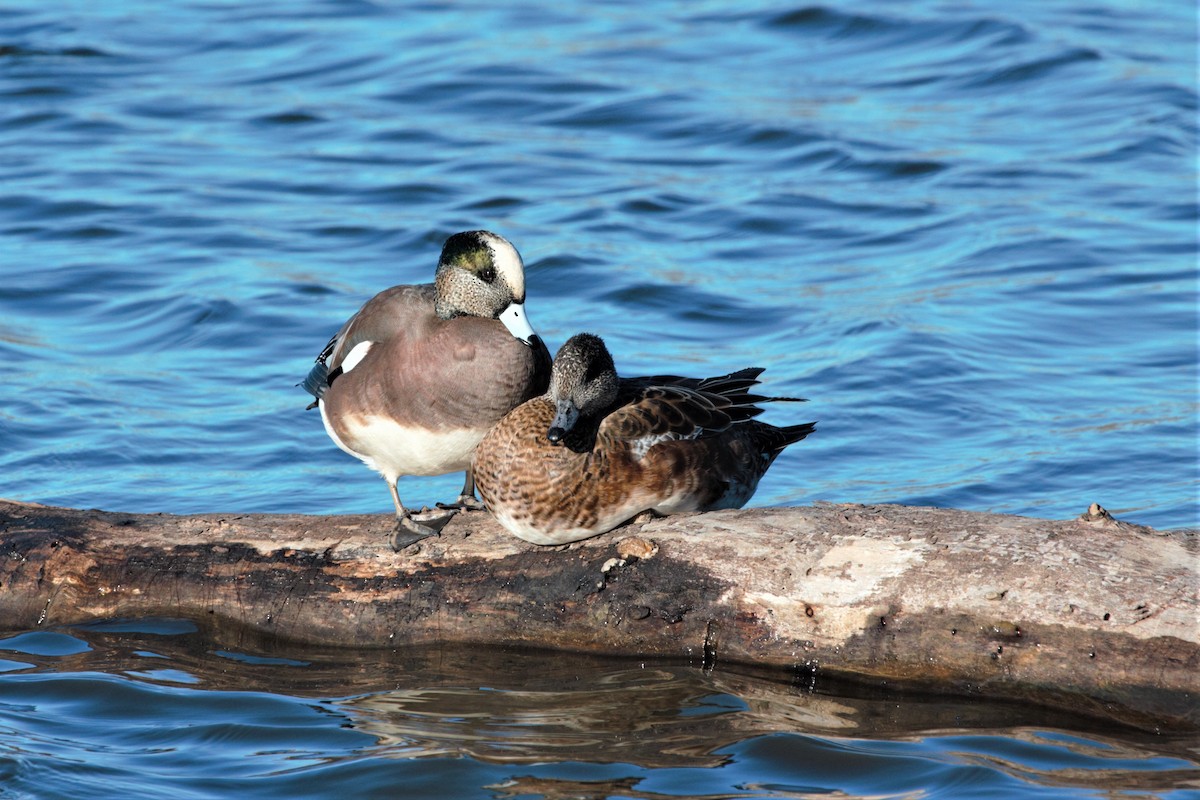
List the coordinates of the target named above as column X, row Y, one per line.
column 1093, row 615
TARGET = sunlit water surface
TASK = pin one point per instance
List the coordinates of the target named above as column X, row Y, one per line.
column 156, row 709
column 966, row 232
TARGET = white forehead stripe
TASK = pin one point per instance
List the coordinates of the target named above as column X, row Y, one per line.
column 508, row 264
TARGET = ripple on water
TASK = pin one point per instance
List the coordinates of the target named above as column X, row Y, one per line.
column 178, row 713
column 966, row 234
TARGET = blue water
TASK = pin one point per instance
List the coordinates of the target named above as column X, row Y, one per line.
column 156, row 709
column 968, row 233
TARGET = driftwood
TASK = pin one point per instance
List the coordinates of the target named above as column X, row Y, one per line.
column 1093, row 615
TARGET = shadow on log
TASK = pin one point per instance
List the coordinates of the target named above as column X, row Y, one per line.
column 1093, row 615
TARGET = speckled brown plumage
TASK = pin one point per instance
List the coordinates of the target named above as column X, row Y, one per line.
column 666, row 443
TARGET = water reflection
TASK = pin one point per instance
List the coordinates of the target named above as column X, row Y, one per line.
column 550, row 707
column 614, row 727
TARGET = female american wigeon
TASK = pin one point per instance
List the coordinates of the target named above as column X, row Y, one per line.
column 597, row 450
column 413, row 381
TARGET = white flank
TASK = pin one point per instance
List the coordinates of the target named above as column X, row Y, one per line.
column 333, row 435
column 394, row 450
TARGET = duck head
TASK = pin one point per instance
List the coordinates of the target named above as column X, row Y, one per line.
column 480, row 274
column 583, row 383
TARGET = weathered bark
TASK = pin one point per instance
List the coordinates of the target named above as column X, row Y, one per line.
column 1091, row 614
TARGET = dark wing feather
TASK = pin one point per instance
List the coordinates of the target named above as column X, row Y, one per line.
column 317, row 379
column 666, row 405
column 733, row 383
column 316, row 382
column 773, row 439
column 666, row 411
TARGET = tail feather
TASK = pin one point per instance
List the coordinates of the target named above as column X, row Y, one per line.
column 790, row 434
column 317, row 379
column 316, row 382
column 731, row 395
column 774, row 439
column 759, row 398
column 733, row 383
column 736, row 389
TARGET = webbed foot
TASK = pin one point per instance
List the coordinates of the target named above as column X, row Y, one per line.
column 412, row 528
column 465, row 502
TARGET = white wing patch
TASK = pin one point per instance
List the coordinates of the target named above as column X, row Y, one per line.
column 357, row 354
column 641, row 446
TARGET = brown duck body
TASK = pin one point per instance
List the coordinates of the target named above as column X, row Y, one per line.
column 413, row 381
column 667, row 445
column 427, row 389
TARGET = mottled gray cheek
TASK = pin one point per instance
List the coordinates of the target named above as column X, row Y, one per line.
column 565, row 415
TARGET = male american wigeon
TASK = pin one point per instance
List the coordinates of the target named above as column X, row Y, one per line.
column 413, row 381
column 597, row 450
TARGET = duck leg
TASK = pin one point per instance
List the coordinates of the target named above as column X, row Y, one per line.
column 466, row 499
column 411, row 528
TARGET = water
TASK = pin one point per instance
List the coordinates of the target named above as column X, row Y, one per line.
column 966, row 233
column 158, row 709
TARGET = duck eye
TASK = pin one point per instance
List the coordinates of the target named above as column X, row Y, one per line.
column 487, row 274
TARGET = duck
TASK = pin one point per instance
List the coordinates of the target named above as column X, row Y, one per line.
column 414, row 380
column 597, row 450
